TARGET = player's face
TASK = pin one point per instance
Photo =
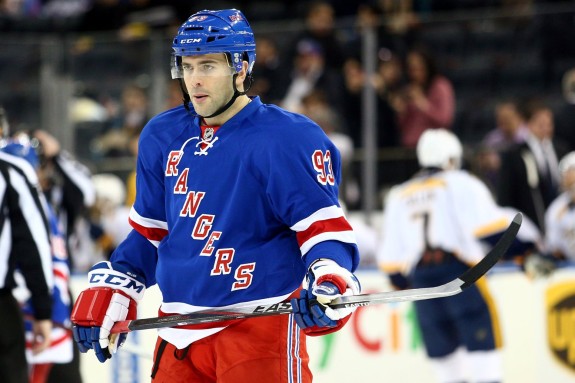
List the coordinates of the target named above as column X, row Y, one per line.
column 208, row 79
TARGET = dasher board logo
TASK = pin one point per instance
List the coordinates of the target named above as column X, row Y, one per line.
column 560, row 307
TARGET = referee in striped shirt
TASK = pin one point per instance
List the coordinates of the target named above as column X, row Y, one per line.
column 24, row 245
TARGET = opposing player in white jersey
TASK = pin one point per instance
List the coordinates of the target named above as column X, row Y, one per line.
column 236, row 203
column 560, row 216
column 432, row 232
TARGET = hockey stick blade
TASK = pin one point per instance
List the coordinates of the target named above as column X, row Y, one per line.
column 456, row 286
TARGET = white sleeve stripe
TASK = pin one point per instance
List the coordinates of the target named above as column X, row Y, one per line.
column 320, row 215
column 341, row 236
column 147, row 222
column 79, row 178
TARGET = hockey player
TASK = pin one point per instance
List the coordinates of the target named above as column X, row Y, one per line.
column 432, row 231
column 560, row 217
column 236, row 203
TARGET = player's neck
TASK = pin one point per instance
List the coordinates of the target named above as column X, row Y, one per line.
column 234, row 109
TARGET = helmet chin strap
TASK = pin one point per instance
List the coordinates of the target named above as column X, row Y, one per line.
column 225, row 107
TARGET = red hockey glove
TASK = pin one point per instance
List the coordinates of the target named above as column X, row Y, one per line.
column 325, row 281
column 113, row 298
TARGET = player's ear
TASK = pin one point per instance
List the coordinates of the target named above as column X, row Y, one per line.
column 242, row 74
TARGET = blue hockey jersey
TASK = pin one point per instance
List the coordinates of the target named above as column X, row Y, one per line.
column 237, row 213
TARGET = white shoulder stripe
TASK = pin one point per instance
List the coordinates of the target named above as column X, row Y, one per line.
column 320, row 215
column 341, row 236
column 147, row 222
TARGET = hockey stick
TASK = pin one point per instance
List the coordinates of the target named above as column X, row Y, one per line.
column 456, row 286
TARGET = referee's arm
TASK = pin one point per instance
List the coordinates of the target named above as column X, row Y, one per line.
column 30, row 250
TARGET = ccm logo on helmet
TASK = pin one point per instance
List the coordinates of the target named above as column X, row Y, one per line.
column 190, row 41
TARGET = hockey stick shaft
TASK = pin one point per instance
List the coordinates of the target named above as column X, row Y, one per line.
column 456, row 286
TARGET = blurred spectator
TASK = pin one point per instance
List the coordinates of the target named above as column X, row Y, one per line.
column 354, row 81
column 529, row 176
column 320, row 27
column 565, row 114
column 510, row 130
column 510, row 127
column 428, row 100
column 126, row 122
column 269, row 73
column 401, row 24
column 387, row 81
column 311, row 72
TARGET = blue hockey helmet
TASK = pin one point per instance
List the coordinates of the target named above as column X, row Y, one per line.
column 224, row 31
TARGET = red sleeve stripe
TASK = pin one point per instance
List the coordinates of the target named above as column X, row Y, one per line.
column 329, row 229
column 153, row 234
column 152, row 229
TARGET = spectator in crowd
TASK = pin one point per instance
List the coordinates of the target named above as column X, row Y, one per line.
column 510, row 130
column 510, row 127
column 529, row 176
column 127, row 121
column 387, row 82
column 401, row 25
column 427, row 101
column 354, row 81
column 310, row 71
column 320, row 27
